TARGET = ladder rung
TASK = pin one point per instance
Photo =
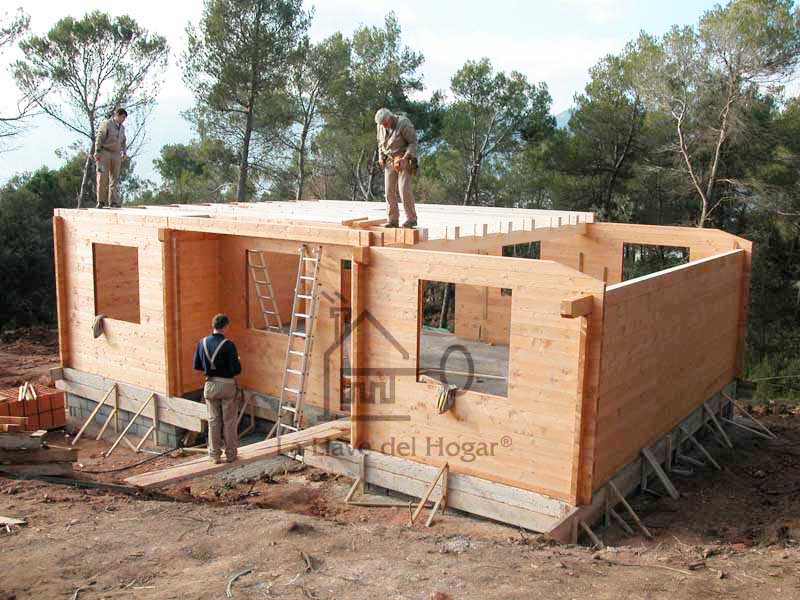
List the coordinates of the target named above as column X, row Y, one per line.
column 269, row 312
column 302, row 315
column 292, row 390
column 292, row 427
column 297, row 353
column 311, row 259
column 261, row 282
column 289, row 408
column 307, row 277
column 294, row 371
column 298, row 334
column 305, row 296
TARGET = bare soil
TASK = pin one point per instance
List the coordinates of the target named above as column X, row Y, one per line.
column 733, row 533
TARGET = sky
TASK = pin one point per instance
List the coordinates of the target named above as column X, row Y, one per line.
column 555, row 41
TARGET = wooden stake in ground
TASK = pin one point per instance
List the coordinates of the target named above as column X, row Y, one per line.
column 444, row 471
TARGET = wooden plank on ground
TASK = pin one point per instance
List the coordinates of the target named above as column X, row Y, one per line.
column 247, row 454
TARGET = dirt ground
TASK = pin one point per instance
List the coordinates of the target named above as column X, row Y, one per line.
column 733, row 533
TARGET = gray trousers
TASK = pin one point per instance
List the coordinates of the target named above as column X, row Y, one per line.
column 108, row 178
column 393, row 181
column 223, row 413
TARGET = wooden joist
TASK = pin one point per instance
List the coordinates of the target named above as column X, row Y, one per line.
column 247, row 454
column 577, row 306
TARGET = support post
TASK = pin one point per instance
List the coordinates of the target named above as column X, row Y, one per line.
column 630, row 510
column 113, row 388
column 443, row 471
column 713, row 418
column 592, row 536
column 129, row 425
column 701, row 448
column 656, row 466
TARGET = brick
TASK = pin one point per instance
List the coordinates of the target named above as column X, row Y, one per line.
column 59, row 418
column 45, row 421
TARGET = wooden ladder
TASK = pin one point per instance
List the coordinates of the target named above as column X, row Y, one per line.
column 263, row 289
column 298, row 352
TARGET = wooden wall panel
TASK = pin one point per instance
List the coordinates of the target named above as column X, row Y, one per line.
column 670, row 341
column 482, row 313
column 542, row 416
column 263, row 353
column 128, row 352
column 198, row 300
column 598, row 252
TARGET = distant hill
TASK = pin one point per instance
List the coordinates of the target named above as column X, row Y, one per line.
column 562, row 118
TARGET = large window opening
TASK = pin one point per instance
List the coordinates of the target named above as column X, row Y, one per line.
column 644, row 259
column 116, row 282
column 271, row 279
column 453, row 329
column 532, row 250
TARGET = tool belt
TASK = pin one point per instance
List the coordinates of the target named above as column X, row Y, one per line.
column 221, row 379
column 412, row 165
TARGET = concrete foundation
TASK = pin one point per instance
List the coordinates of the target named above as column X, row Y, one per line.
column 80, row 408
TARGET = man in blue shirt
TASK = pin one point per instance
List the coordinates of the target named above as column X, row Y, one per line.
column 217, row 357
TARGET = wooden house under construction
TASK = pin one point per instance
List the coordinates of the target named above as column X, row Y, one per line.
column 566, row 368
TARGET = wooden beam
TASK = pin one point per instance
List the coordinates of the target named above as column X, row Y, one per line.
column 61, row 289
column 492, row 241
column 247, row 454
column 577, row 306
column 368, row 223
column 255, row 227
column 348, row 222
column 357, row 379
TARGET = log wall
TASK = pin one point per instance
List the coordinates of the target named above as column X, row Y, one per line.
column 127, row 351
column 540, row 421
column 670, row 342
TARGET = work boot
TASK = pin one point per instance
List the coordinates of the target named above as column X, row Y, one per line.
column 230, row 458
column 217, row 460
column 391, row 224
column 410, row 224
column 115, row 205
column 101, row 205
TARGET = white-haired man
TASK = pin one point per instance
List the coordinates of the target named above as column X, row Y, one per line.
column 397, row 156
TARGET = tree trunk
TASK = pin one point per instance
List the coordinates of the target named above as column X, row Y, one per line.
column 85, row 177
column 472, row 183
column 301, row 168
column 241, row 190
column 301, row 159
column 445, row 306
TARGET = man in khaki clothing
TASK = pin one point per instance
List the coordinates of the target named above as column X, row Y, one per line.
column 109, row 150
column 397, row 156
column 217, row 357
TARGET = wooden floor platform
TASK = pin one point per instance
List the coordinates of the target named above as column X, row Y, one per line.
column 201, row 467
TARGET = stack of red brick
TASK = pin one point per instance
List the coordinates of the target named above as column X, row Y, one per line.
column 47, row 411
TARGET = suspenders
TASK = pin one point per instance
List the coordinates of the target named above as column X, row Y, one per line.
column 212, row 357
